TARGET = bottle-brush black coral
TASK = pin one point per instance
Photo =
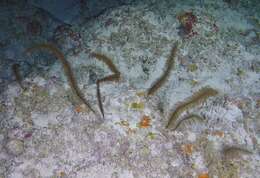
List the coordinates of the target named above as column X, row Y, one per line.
column 191, row 117
column 100, row 105
column 168, row 65
column 197, row 98
column 67, row 69
column 16, row 72
column 107, row 61
column 114, row 77
column 230, row 152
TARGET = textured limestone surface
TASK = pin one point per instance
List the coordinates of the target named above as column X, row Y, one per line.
column 45, row 131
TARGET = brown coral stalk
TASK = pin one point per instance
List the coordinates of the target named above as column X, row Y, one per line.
column 99, row 100
column 67, row 69
column 113, row 77
column 168, row 65
column 189, row 117
column 17, row 74
column 197, row 98
column 233, row 151
column 107, row 61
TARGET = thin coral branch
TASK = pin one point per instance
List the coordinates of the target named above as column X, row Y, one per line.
column 197, row 98
column 66, row 67
column 107, row 61
column 230, row 151
column 189, row 117
column 112, row 77
column 168, row 65
column 99, row 100
column 17, row 74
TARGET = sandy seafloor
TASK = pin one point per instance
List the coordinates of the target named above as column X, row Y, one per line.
column 46, row 132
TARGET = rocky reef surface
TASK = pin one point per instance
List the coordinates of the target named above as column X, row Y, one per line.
column 45, row 130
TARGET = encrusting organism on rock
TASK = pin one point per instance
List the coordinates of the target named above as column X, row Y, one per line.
column 187, row 21
column 197, row 98
column 168, row 65
column 67, row 69
column 113, row 77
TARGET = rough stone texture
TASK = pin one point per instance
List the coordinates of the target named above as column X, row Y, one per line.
column 63, row 139
column 15, row 147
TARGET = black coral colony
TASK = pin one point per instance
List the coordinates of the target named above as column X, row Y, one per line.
column 168, row 65
column 66, row 67
column 113, row 77
column 197, row 98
